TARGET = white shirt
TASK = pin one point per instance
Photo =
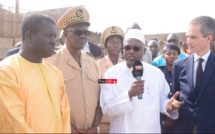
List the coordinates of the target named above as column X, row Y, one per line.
column 196, row 57
column 86, row 48
column 135, row 115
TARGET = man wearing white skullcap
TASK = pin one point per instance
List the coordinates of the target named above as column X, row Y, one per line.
column 119, row 101
column 147, row 54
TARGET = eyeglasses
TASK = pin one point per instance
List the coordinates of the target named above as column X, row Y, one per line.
column 135, row 48
column 80, row 32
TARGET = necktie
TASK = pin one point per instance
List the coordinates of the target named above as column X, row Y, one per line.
column 199, row 74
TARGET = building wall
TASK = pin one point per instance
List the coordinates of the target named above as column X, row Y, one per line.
column 10, row 32
column 5, row 45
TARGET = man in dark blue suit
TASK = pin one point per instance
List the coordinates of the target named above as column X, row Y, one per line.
column 195, row 79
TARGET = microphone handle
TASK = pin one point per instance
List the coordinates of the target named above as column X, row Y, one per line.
column 140, row 96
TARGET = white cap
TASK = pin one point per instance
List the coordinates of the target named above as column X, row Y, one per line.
column 135, row 34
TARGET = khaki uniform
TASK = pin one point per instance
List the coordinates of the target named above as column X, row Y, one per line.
column 81, row 86
column 104, row 64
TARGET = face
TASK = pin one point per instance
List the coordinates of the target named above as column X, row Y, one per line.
column 44, row 40
column 172, row 38
column 114, row 45
column 153, row 47
column 196, row 41
column 132, row 55
column 170, row 56
column 76, row 36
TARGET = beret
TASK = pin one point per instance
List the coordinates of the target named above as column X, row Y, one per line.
column 171, row 46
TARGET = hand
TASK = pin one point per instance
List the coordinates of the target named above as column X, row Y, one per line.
column 173, row 104
column 168, row 122
column 136, row 88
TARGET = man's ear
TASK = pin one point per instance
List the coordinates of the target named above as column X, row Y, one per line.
column 210, row 38
column 28, row 35
column 213, row 40
column 65, row 33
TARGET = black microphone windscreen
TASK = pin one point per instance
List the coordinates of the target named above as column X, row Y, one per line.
column 137, row 69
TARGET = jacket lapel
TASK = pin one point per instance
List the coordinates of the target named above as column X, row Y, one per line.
column 209, row 69
column 189, row 72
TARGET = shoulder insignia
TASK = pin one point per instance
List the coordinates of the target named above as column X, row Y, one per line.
column 89, row 54
column 99, row 57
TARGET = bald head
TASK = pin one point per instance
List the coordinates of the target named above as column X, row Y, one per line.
column 174, row 38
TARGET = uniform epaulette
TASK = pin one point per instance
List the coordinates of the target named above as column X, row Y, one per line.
column 99, row 57
column 91, row 55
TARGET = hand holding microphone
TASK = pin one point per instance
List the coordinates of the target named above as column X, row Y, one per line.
column 137, row 86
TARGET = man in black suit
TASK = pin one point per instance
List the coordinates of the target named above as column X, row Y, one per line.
column 92, row 48
column 194, row 77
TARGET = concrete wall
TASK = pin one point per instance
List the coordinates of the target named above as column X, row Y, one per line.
column 5, row 45
column 162, row 37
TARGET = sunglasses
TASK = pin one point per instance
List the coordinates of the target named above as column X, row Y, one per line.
column 80, row 32
column 135, row 48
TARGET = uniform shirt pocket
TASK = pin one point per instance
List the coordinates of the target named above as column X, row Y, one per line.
column 68, row 77
column 93, row 77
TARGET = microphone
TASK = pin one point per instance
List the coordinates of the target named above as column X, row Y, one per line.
column 137, row 72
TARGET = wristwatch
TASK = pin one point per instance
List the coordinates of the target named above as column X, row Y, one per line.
column 94, row 126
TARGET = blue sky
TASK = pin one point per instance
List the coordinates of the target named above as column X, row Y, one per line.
column 154, row 16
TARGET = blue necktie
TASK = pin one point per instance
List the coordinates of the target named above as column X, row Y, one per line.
column 199, row 74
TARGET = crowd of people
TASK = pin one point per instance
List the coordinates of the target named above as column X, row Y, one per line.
column 49, row 89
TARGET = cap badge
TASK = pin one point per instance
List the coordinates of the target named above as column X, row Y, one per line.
column 79, row 17
column 113, row 30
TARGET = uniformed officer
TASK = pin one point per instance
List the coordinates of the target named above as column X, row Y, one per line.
column 80, row 72
column 112, row 38
column 170, row 54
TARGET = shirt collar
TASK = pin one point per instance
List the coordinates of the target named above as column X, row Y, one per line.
column 205, row 57
column 87, row 44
